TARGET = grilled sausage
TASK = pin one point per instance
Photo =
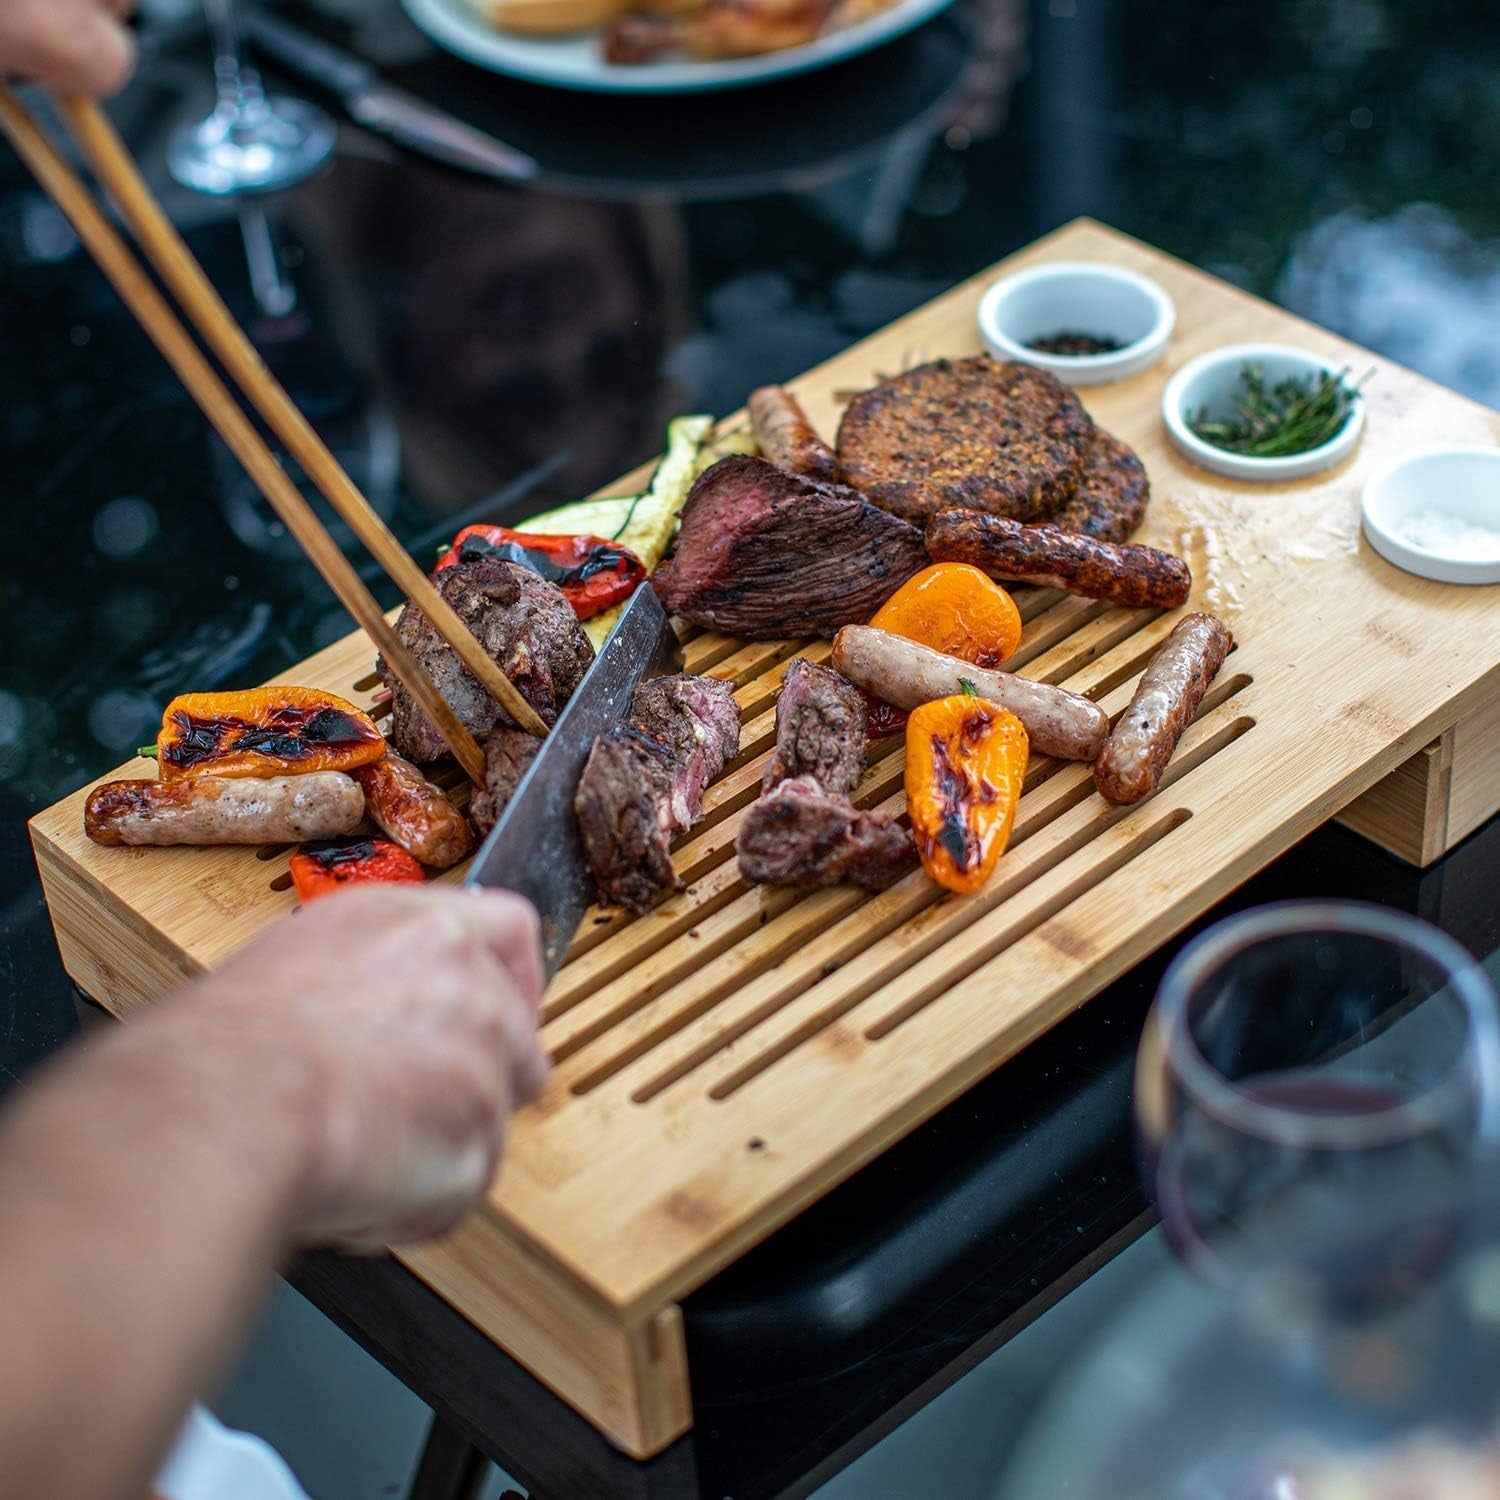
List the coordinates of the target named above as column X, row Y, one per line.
column 225, row 810
column 907, row 674
column 1170, row 690
column 786, row 437
column 1058, row 559
column 412, row 812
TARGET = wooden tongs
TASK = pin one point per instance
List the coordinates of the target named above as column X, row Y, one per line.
column 118, row 174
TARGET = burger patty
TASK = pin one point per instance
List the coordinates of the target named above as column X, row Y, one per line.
column 967, row 434
column 1110, row 501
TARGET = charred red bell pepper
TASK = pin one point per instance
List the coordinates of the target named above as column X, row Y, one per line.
column 882, row 719
column 321, row 869
column 274, row 731
column 593, row 574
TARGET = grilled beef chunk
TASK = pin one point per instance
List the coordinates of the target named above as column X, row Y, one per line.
column 798, row 834
column 644, row 781
column 768, row 555
column 508, row 754
column 525, row 625
column 821, row 729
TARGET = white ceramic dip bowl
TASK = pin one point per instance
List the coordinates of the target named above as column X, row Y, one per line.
column 1088, row 297
column 1438, row 514
column 1209, row 383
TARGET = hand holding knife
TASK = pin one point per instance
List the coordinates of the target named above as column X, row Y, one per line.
column 381, row 107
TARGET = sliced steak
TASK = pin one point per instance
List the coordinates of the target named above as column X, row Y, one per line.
column 966, row 433
column 1110, row 501
column 768, row 555
column 508, row 754
column 798, row 834
column 821, row 728
column 526, row 627
column 644, row 781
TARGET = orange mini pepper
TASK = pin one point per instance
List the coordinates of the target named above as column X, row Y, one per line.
column 965, row 762
column 955, row 609
column 275, row 731
column 319, row 870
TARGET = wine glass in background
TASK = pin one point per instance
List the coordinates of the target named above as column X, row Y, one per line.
column 1305, row 1067
column 251, row 143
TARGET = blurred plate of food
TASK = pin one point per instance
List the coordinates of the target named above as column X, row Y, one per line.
column 663, row 46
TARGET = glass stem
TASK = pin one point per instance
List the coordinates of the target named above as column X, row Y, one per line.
column 240, row 91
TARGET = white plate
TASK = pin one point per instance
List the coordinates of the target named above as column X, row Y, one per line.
column 577, row 63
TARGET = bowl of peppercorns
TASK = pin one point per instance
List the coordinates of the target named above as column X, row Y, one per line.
column 1086, row 321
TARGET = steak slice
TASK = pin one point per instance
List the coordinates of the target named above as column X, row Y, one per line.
column 800, row 835
column 644, row 781
column 508, row 754
column 821, row 727
column 768, row 555
column 526, row 627
column 969, row 434
column 1111, row 498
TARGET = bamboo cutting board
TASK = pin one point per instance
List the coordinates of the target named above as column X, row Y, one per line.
column 726, row 1059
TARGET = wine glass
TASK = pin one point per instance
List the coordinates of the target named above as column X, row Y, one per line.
column 250, row 143
column 1305, row 1067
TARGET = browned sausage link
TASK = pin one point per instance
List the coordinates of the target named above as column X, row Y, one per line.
column 225, row 810
column 908, row 674
column 1137, row 751
column 414, row 813
column 786, row 437
column 1057, row 559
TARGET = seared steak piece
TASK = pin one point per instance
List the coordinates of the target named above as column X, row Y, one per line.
column 644, row 781
column 698, row 721
column 798, row 834
column 768, row 555
column 821, row 729
column 525, row 625
column 970, row 434
column 508, row 754
column 1110, row 501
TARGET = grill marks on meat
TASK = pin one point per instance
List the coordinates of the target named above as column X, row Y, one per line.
column 643, row 784
column 805, row 831
column 968, row 433
column 767, row 555
column 508, row 754
column 821, row 729
column 525, row 625
column 800, row 835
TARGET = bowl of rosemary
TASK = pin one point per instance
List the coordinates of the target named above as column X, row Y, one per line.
column 1263, row 412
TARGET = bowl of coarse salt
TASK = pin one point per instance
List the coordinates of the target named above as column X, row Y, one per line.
column 1438, row 514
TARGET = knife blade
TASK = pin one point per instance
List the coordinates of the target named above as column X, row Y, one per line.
column 380, row 106
column 535, row 849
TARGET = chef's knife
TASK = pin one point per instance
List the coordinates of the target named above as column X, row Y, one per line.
column 534, row 849
column 379, row 106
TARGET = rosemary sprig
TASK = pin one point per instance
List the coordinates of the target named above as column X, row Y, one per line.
column 1295, row 415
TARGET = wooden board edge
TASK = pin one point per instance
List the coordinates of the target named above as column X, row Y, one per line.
column 629, row 1378
column 89, row 922
column 1406, row 812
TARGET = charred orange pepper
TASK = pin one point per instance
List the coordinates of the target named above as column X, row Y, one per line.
column 957, row 610
column 274, row 731
column 965, row 762
column 321, row 869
